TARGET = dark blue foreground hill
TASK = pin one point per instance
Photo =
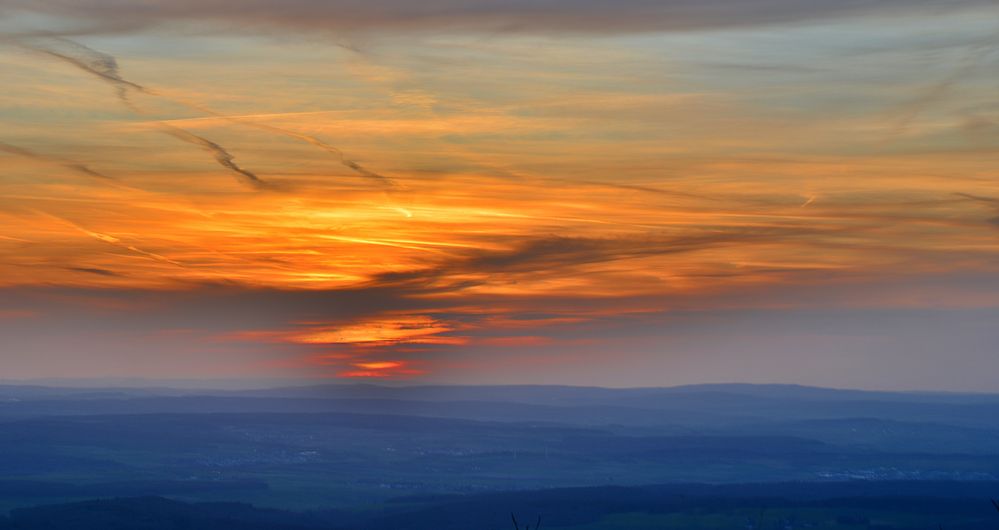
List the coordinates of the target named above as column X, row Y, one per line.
column 155, row 513
column 844, row 505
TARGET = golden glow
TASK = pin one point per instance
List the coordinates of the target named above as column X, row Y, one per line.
column 384, row 365
column 381, row 369
column 572, row 179
column 391, row 329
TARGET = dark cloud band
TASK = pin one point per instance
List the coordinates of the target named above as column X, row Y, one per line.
column 589, row 16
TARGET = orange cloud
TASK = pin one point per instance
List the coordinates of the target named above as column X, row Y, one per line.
column 381, row 369
column 381, row 365
column 534, row 197
column 381, row 331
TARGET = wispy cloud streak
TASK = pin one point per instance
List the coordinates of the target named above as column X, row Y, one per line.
column 105, row 67
column 386, row 183
column 990, row 201
column 98, row 64
column 111, row 240
column 220, row 154
column 933, row 94
column 74, row 166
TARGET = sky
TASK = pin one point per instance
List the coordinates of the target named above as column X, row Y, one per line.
column 590, row 192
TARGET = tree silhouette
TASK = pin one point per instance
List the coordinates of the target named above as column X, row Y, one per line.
column 537, row 525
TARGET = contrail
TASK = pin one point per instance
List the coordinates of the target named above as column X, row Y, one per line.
column 74, row 166
column 991, row 201
column 119, row 243
column 971, row 61
column 111, row 240
column 382, row 181
column 979, row 198
column 221, row 155
column 99, row 64
column 105, row 67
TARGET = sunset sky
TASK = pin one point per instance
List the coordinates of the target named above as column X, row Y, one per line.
column 606, row 192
